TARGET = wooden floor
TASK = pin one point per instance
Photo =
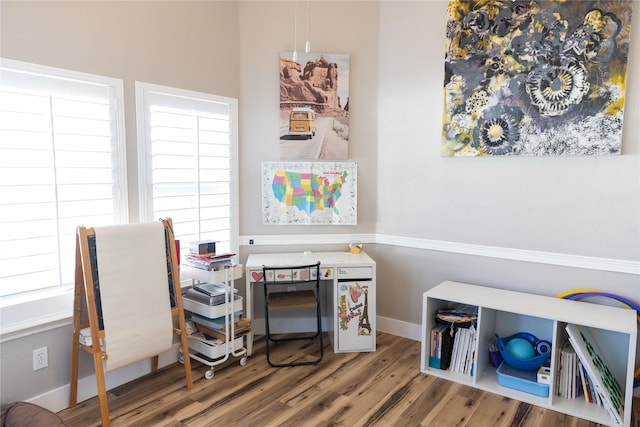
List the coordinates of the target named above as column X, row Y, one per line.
column 384, row 388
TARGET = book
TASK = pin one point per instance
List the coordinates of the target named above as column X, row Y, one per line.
column 471, row 353
column 436, row 343
column 446, row 348
column 604, row 383
column 570, row 383
column 455, row 350
column 584, row 380
column 461, row 339
column 209, row 263
column 441, row 345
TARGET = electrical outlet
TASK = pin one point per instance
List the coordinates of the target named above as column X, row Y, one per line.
column 40, row 358
column 251, row 241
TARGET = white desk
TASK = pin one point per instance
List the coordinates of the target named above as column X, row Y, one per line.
column 351, row 296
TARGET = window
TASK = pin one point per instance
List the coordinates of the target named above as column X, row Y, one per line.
column 62, row 164
column 187, row 154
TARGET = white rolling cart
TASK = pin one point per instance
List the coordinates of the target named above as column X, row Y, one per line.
column 215, row 351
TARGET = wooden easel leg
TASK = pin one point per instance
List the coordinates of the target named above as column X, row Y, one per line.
column 102, row 389
column 185, row 352
column 75, row 350
column 179, row 310
column 75, row 336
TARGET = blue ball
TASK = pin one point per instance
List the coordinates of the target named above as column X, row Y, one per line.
column 520, row 348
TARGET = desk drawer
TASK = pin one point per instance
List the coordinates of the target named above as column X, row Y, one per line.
column 360, row 273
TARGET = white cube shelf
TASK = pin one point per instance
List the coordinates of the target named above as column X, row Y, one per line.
column 508, row 312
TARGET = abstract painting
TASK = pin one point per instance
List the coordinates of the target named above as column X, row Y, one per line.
column 535, row 78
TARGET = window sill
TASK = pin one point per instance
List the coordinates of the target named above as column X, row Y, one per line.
column 29, row 314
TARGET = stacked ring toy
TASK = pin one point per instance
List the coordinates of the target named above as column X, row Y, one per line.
column 583, row 293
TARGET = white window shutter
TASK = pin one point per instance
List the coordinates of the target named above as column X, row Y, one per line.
column 61, row 165
column 187, row 150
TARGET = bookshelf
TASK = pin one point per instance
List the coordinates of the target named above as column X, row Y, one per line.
column 507, row 312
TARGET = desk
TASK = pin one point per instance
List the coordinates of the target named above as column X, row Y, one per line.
column 351, row 296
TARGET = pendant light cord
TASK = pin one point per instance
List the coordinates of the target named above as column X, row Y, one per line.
column 295, row 31
column 307, row 46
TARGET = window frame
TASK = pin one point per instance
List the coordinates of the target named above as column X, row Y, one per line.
column 145, row 183
column 24, row 311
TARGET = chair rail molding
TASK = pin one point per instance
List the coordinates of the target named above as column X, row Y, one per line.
column 514, row 254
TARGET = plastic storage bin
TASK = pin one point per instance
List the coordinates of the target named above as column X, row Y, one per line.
column 211, row 311
column 217, row 323
column 525, row 381
column 213, row 349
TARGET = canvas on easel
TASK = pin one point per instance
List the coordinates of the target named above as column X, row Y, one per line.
column 137, row 263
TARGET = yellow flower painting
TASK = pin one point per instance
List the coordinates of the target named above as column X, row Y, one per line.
column 535, row 78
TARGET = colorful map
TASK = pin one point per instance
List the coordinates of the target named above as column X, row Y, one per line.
column 309, row 193
column 306, row 191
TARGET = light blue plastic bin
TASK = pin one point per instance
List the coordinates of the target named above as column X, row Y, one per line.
column 526, row 381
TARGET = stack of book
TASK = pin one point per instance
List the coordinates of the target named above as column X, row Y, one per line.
column 453, row 350
column 209, row 262
column 441, row 346
column 453, row 339
column 570, row 377
column 598, row 382
column 464, row 350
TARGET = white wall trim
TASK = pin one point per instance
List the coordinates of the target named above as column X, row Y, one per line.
column 514, row 254
column 304, row 239
column 399, row 328
column 58, row 399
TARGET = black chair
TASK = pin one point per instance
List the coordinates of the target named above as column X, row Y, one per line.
column 277, row 282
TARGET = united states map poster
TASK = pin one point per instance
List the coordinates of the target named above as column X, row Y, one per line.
column 309, row 193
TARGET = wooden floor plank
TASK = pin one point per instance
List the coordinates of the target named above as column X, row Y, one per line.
column 494, row 410
column 382, row 388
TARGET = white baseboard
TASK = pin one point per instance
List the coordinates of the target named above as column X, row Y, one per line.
column 400, row 328
column 58, row 399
